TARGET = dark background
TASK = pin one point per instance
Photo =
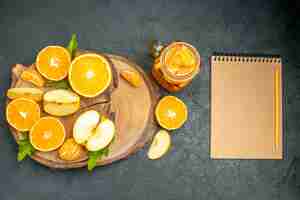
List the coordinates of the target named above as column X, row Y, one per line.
column 125, row 28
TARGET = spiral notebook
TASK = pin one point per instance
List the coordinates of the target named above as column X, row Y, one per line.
column 246, row 107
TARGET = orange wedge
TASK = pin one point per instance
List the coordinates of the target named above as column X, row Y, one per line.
column 33, row 77
column 90, row 74
column 47, row 134
column 22, row 113
column 171, row 112
column 132, row 77
column 53, row 62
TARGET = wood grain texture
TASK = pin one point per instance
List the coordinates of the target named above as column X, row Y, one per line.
column 131, row 108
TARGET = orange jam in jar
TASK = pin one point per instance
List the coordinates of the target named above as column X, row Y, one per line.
column 176, row 66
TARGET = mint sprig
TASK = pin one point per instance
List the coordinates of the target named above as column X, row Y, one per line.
column 95, row 155
column 72, row 46
column 25, row 147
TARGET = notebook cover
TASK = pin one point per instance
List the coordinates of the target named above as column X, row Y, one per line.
column 246, row 107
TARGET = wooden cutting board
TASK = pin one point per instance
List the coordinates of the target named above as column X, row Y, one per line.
column 131, row 108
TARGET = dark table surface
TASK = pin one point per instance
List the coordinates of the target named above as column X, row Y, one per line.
column 125, row 28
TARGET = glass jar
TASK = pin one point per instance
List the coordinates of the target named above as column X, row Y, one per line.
column 175, row 67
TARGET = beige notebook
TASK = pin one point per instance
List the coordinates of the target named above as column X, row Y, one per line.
column 246, row 107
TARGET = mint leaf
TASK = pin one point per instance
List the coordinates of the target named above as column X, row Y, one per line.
column 106, row 151
column 95, row 155
column 72, row 46
column 62, row 84
column 25, row 149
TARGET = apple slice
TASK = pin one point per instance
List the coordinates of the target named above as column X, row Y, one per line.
column 160, row 145
column 30, row 93
column 61, row 102
column 102, row 137
column 85, row 125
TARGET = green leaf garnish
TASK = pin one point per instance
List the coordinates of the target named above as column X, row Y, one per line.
column 25, row 147
column 72, row 46
column 95, row 155
column 62, row 84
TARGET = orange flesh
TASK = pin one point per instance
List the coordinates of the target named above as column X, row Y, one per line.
column 180, row 60
column 53, row 62
column 89, row 75
column 22, row 113
column 171, row 112
column 47, row 134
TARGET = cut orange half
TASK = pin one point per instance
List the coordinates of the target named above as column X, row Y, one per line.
column 47, row 134
column 90, row 74
column 22, row 113
column 171, row 112
column 53, row 62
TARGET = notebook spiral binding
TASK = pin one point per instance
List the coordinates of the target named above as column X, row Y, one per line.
column 257, row 58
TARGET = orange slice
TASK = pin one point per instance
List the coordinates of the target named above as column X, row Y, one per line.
column 171, row 112
column 47, row 134
column 33, row 77
column 90, row 74
column 22, row 113
column 53, row 62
